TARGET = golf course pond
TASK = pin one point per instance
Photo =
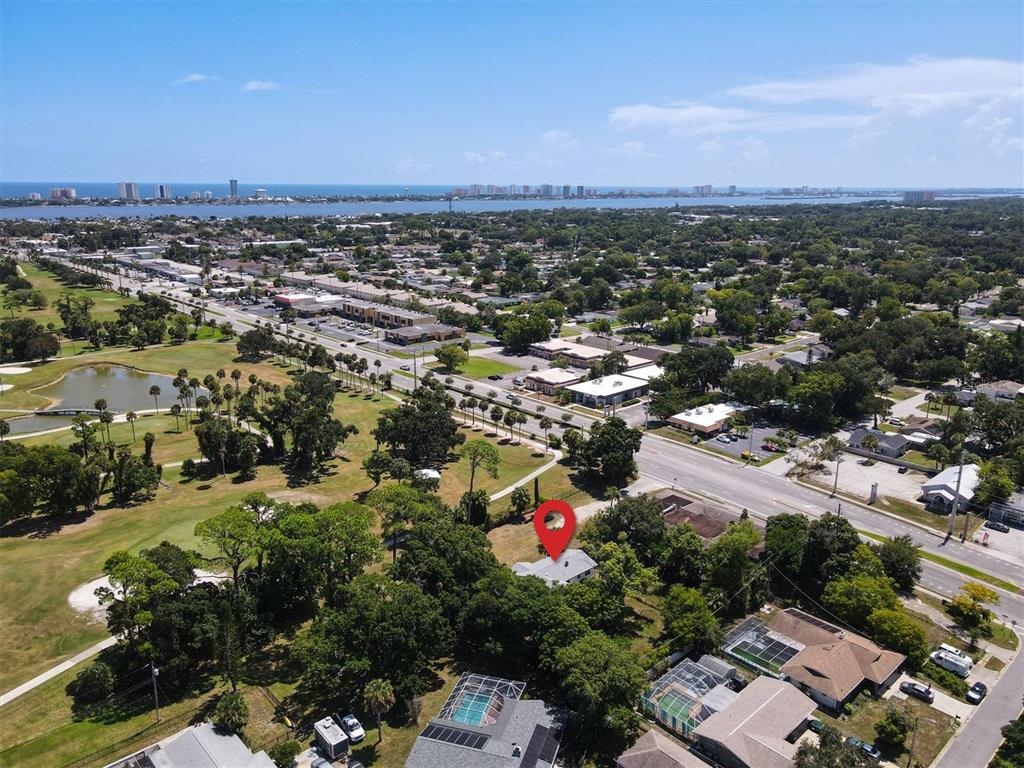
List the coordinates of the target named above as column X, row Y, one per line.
column 124, row 389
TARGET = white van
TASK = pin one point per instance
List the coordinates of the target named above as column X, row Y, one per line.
column 954, row 651
column 954, row 664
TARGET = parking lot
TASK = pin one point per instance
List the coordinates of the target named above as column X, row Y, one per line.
column 737, row 445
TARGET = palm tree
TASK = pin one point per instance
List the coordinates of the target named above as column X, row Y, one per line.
column 5, row 429
column 155, row 392
column 546, row 424
column 869, row 443
column 176, row 413
column 132, row 416
column 379, row 697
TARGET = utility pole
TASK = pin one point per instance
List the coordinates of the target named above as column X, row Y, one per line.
column 956, row 496
column 415, row 372
column 153, row 672
column 913, row 739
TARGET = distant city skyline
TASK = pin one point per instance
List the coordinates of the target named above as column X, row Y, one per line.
column 757, row 95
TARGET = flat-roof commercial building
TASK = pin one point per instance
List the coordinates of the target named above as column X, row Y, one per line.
column 415, row 334
column 578, row 355
column 705, row 419
column 572, row 566
column 758, row 729
column 485, row 723
column 549, row 382
column 608, row 390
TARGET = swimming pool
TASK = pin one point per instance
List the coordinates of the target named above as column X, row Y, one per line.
column 471, row 709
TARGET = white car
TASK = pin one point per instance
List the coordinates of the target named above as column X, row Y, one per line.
column 352, row 728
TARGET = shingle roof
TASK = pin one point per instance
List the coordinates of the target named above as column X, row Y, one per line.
column 571, row 564
column 755, row 727
column 833, row 661
column 655, row 750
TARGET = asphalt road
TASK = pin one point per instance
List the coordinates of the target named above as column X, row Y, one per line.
column 673, row 464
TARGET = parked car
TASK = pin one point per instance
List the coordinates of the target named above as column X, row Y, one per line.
column 868, row 749
column 723, row 439
column 320, row 763
column 903, row 470
column 495, row 377
column 977, row 692
column 995, row 525
column 352, row 727
column 518, row 382
column 918, row 691
column 897, row 422
column 814, row 725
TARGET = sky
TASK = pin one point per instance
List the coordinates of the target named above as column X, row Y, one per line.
column 670, row 94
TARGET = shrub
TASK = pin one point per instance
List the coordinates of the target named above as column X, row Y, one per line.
column 284, row 754
column 951, row 682
column 188, row 467
column 893, row 728
column 93, row 684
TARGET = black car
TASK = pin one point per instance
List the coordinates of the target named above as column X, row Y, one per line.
column 997, row 526
column 814, row 725
column 495, row 377
column 918, row 691
column 977, row 692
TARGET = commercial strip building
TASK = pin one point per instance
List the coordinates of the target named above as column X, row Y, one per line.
column 615, row 389
column 383, row 315
column 485, row 723
column 198, row 746
column 579, row 355
column 416, row 334
column 552, row 380
column 572, row 566
column 706, row 419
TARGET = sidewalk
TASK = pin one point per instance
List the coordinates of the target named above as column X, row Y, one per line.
column 51, row 673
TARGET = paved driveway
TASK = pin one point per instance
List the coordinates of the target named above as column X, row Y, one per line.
column 943, row 701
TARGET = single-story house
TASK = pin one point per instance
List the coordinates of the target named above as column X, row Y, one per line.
column 607, row 390
column 759, row 728
column 805, row 358
column 198, row 746
column 1000, row 390
column 656, row 750
column 572, row 566
column 485, row 723
column 940, row 491
column 834, row 664
column 551, row 381
column 705, row 419
column 891, row 444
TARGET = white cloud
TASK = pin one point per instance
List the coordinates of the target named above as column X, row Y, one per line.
column 705, row 118
column 412, row 165
column 194, row 77
column 710, row 149
column 913, row 88
column 631, row 149
column 558, row 139
column 492, row 159
column 753, row 149
column 261, row 85
column 992, row 123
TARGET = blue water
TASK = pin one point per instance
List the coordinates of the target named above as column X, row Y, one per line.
column 218, row 210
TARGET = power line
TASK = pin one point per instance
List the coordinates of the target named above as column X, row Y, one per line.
column 816, row 603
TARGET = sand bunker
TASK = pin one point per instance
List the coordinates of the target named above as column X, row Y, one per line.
column 14, row 370
column 5, row 387
column 83, row 597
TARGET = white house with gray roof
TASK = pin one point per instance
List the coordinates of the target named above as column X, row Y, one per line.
column 572, row 565
column 485, row 723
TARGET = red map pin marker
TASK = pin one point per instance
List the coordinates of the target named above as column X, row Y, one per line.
column 554, row 541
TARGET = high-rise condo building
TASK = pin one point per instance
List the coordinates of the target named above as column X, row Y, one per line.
column 162, row 191
column 128, row 190
column 63, row 193
column 260, row 194
column 579, row 190
column 234, row 187
column 566, row 190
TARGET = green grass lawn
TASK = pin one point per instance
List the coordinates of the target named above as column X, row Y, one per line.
column 994, row 664
column 171, row 444
column 934, row 728
column 568, row 331
column 106, row 302
column 481, row 368
column 901, row 393
column 1002, row 636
